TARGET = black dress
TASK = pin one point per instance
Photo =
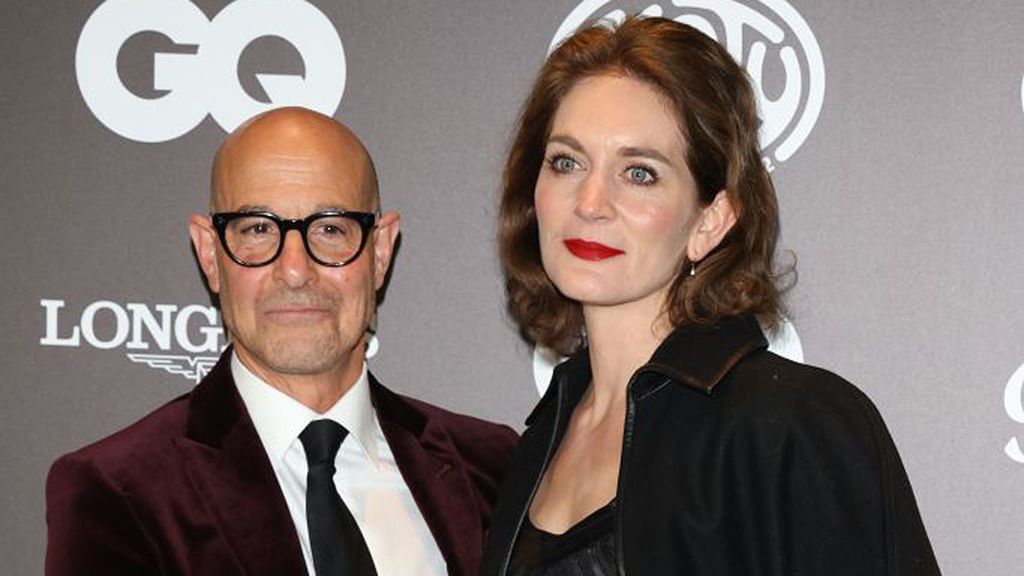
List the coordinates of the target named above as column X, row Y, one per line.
column 586, row 549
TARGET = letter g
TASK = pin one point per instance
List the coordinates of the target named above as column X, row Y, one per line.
column 142, row 119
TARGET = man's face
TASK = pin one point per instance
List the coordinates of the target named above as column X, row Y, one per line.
column 294, row 316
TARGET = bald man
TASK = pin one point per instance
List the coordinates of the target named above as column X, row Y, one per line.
column 289, row 458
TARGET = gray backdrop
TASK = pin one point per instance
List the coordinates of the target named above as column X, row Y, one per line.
column 896, row 136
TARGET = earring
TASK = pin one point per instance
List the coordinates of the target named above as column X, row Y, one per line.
column 693, row 269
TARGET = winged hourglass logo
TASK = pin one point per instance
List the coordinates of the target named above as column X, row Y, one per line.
column 191, row 367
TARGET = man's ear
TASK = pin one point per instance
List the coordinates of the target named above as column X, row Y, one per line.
column 713, row 223
column 384, row 236
column 204, row 242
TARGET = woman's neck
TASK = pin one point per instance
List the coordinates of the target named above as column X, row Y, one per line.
column 620, row 339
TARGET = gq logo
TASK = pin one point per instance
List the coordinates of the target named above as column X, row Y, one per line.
column 206, row 80
column 769, row 38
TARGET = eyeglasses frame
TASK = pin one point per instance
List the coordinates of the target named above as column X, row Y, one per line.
column 367, row 222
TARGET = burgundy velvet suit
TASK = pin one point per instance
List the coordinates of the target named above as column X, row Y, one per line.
column 189, row 489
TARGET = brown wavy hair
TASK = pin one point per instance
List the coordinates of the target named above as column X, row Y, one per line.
column 716, row 112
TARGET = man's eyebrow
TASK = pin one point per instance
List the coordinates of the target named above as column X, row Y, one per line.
column 253, row 208
column 316, row 209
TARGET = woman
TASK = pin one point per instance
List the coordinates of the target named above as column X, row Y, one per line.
column 637, row 235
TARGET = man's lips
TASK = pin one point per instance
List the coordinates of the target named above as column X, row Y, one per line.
column 296, row 314
column 588, row 250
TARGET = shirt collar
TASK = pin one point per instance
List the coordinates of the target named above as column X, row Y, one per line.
column 279, row 418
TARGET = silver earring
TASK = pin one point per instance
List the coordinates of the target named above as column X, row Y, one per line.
column 693, row 269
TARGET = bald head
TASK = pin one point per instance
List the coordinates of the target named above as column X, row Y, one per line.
column 297, row 145
column 297, row 322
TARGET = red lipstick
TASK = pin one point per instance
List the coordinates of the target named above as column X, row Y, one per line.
column 588, row 250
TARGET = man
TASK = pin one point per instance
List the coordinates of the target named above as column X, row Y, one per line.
column 242, row 475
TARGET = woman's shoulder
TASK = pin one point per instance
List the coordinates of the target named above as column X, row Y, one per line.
column 765, row 389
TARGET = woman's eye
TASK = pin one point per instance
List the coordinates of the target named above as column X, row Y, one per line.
column 562, row 164
column 641, row 175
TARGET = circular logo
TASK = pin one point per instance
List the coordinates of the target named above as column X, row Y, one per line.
column 768, row 37
column 1013, row 403
column 783, row 340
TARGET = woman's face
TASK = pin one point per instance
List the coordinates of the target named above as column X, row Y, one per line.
column 615, row 201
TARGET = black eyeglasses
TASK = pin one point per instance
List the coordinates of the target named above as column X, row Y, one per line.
column 332, row 238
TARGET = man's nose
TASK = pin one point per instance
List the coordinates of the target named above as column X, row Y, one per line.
column 294, row 267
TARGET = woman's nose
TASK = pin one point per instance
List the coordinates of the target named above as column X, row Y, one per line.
column 594, row 201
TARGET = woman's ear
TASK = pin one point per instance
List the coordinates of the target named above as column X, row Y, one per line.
column 713, row 223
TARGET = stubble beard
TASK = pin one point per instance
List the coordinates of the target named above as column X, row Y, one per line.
column 305, row 351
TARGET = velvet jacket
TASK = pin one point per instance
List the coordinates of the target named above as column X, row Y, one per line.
column 735, row 462
column 189, row 489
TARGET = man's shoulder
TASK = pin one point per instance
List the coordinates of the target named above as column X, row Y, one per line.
column 467, row 432
column 460, row 423
column 147, row 439
column 456, row 423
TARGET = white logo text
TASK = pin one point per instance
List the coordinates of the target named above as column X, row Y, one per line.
column 205, row 81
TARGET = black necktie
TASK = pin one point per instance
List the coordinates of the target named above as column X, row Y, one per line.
column 338, row 545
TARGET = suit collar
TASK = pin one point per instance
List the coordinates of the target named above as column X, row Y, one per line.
column 216, row 409
column 432, row 469
column 229, row 469
column 279, row 418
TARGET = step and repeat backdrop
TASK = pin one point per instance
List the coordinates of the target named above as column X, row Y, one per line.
column 894, row 131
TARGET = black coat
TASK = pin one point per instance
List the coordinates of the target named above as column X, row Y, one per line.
column 735, row 461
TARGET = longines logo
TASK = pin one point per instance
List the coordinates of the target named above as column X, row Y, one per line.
column 1013, row 402
column 769, row 37
column 201, row 75
column 179, row 340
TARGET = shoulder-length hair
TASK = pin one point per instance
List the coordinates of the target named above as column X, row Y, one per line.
column 716, row 112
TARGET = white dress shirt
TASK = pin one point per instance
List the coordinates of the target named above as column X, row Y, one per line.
column 367, row 477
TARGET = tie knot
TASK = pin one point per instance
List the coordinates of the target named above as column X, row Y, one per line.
column 321, row 439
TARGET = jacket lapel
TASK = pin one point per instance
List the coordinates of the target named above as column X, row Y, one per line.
column 229, row 469
column 434, row 474
column 546, row 425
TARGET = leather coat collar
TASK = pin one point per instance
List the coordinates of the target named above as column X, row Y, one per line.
column 695, row 355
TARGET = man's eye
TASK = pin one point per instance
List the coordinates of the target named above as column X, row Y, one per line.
column 331, row 229
column 256, row 229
